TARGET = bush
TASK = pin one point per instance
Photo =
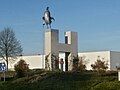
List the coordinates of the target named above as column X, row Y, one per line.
column 100, row 66
column 79, row 64
column 21, row 68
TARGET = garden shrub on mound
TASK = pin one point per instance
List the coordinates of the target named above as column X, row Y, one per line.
column 21, row 68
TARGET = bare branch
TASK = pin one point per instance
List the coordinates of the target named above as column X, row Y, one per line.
column 9, row 46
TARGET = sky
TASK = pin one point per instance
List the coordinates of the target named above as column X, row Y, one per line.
column 96, row 21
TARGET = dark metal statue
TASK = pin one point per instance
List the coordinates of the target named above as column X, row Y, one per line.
column 47, row 18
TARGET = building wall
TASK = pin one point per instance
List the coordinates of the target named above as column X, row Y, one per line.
column 114, row 60
column 90, row 58
column 37, row 61
column 34, row 61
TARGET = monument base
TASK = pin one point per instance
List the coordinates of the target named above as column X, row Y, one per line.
column 53, row 48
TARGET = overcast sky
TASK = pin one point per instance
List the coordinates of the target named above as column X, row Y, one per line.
column 96, row 21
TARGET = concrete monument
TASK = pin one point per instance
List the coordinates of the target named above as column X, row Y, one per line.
column 53, row 47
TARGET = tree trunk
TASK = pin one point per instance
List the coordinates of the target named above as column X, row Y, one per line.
column 7, row 63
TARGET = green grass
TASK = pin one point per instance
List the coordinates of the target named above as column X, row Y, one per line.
column 63, row 81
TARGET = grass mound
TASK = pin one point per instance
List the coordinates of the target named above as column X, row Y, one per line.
column 46, row 80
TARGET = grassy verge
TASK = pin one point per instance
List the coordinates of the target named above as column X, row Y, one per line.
column 63, row 81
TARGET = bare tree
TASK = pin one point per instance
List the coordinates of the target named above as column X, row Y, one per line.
column 10, row 47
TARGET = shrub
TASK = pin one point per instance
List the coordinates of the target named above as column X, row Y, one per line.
column 21, row 68
column 75, row 63
column 78, row 64
column 100, row 66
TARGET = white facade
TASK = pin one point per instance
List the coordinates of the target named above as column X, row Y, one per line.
column 37, row 61
column 91, row 57
column 111, row 57
column 34, row 61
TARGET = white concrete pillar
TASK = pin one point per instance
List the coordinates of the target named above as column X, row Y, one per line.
column 51, row 45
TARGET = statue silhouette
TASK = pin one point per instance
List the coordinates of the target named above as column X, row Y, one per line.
column 47, row 18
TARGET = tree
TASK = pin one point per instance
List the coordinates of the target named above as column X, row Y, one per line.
column 81, row 64
column 21, row 68
column 47, row 66
column 78, row 64
column 54, row 62
column 100, row 65
column 75, row 63
column 10, row 47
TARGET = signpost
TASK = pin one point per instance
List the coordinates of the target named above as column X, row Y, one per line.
column 3, row 69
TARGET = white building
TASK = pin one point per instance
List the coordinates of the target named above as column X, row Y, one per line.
column 34, row 61
column 111, row 57
column 37, row 61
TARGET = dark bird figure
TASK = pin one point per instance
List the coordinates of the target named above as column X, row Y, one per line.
column 47, row 18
